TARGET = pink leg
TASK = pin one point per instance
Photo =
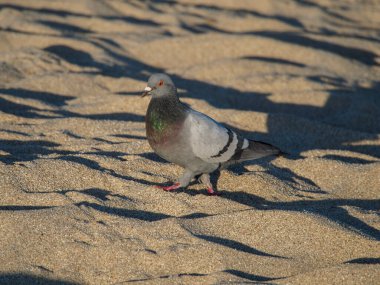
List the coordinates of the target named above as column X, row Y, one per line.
column 212, row 192
column 170, row 188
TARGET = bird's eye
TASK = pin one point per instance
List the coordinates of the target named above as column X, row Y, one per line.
column 160, row 83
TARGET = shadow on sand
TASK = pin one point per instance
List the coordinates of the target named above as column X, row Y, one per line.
column 27, row 279
column 358, row 107
column 330, row 209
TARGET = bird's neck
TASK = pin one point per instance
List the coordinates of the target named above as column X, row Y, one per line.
column 166, row 109
column 164, row 116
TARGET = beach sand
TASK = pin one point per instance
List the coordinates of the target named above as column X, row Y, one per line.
column 77, row 202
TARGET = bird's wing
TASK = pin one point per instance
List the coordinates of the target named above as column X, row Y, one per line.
column 211, row 141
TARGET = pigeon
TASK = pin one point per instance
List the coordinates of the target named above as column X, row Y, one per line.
column 191, row 139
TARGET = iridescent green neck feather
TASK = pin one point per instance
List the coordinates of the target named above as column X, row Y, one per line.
column 163, row 119
column 157, row 122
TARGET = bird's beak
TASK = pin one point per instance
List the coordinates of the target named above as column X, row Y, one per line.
column 147, row 90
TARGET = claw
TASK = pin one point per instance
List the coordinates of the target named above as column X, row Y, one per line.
column 212, row 192
column 170, row 188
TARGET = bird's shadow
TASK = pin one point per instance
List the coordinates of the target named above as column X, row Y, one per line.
column 330, row 209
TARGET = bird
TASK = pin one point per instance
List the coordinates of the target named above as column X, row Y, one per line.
column 191, row 139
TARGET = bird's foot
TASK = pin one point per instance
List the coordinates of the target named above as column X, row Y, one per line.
column 170, row 188
column 212, row 192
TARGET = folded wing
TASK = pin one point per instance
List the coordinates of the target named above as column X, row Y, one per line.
column 214, row 143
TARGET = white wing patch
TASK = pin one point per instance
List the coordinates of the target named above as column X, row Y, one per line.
column 209, row 140
column 245, row 144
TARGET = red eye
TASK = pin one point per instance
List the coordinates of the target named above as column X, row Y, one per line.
column 161, row 83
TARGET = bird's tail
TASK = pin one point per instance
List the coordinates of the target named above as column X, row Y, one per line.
column 257, row 149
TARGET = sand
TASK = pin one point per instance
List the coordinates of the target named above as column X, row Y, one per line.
column 77, row 202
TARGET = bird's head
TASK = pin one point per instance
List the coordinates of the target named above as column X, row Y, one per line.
column 159, row 85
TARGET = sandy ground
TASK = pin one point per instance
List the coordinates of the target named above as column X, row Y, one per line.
column 77, row 202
